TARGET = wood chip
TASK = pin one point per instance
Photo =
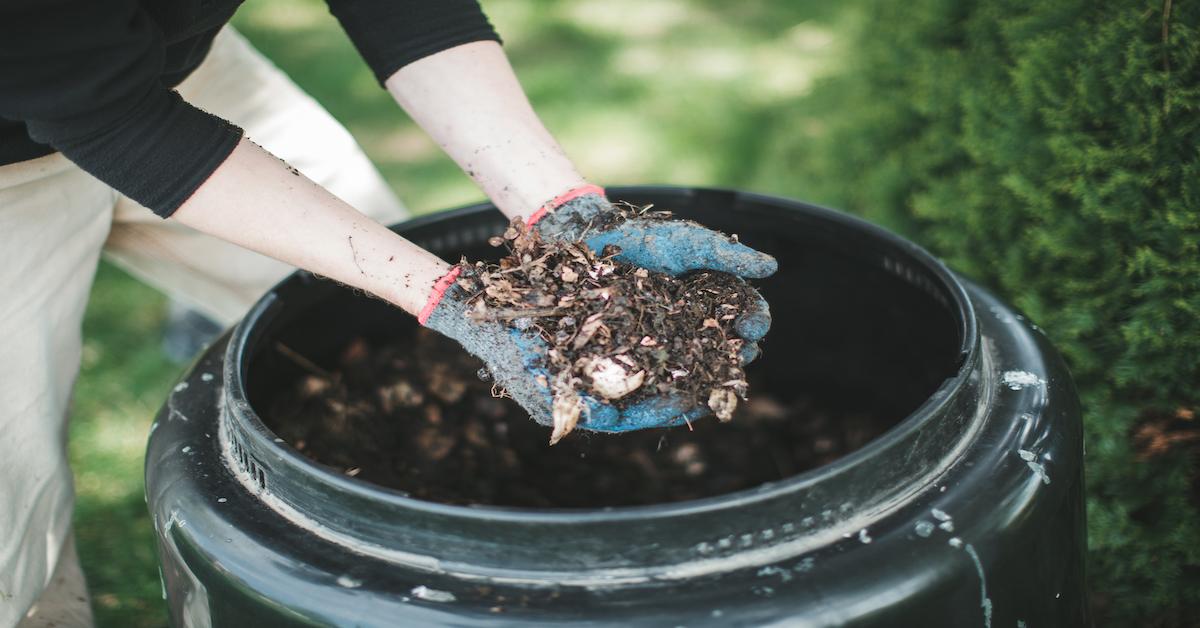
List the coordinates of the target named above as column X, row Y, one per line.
column 588, row 330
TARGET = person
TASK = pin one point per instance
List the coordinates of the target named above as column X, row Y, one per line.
column 116, row 115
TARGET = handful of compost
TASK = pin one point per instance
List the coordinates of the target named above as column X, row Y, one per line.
column 589, row 340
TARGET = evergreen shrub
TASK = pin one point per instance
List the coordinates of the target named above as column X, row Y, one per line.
column 1051, row 150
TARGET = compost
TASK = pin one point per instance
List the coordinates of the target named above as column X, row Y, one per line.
column 612, row 330
column 413, row 414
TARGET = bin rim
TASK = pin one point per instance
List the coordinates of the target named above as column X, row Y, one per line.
column 240, row 416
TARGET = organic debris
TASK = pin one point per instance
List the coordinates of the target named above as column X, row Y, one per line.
column 411, row 413
column 615, row 332
column 1159, row 433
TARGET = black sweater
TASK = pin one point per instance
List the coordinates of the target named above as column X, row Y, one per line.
column 93, row 79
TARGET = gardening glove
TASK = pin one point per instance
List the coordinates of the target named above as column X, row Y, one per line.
column 515, row 358
column 673, row 247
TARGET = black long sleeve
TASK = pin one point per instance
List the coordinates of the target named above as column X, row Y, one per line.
column 390, row 34
column 86, row 78
column 93, row 79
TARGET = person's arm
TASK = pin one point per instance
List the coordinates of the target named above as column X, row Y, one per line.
column 86, row 79
column 443, row 63
column 258, row 202
column 468, row 99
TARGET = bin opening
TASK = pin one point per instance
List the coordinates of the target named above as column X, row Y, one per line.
column 864, row 332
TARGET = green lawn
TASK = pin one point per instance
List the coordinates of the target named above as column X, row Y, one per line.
column 671, row 91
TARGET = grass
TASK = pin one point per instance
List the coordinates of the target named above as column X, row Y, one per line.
column 123, row 379
column 672, row 91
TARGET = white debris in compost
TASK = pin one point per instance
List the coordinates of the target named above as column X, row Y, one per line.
column 565, row 408
column 723, row 402
column 863, row 536
column 423, row 592
column 940, row 515
column 948, row 526
column 1026, row 455
column 923, row 529
column 348, row 582
column 206, row 377
column 1016, row 380
column 180, row 387
column 610, row 379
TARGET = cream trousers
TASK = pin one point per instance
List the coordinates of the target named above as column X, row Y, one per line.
column 55, row 220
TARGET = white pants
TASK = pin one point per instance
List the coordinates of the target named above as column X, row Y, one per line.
column 54, row 221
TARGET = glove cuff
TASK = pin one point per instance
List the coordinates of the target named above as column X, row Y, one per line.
column 562, row 199
column 439, row 291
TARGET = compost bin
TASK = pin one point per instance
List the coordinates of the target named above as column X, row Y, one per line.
column 917, row 462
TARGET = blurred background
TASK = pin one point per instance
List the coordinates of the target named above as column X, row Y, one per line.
column 1047, row 150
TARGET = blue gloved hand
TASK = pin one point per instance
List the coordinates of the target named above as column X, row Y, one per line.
column 673, row 247
column 668, row 246
column 515, row 358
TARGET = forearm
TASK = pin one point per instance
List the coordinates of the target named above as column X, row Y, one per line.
column 258, row 202
column 469, row 101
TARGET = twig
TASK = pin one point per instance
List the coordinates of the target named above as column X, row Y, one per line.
column 509, row 314
column 302, row 361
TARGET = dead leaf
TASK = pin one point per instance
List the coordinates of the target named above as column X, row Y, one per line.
column 565, row 411
column 588, row 329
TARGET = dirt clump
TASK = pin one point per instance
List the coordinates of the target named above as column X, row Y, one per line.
column 412, row 414
column 615, row 331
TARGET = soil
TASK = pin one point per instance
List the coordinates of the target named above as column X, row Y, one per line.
column 614, row 331
column 414, row 415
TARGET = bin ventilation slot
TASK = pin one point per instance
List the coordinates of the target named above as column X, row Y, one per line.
column 249, row 465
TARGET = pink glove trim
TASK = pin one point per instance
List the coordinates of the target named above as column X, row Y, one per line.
column 439, row 290
column 557, row 201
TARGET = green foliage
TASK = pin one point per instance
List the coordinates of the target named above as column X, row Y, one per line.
column 1050, row 149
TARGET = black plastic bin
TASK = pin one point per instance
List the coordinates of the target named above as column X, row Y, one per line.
column 967, row 511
